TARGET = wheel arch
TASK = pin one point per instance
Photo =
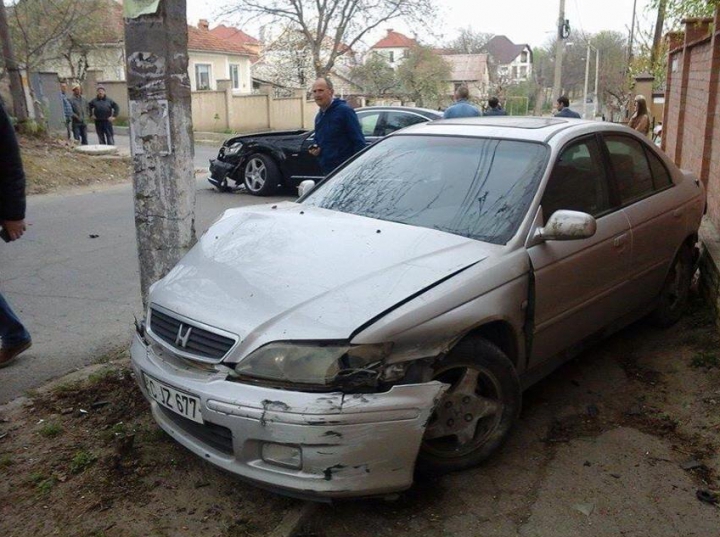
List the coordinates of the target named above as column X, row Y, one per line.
column 501, row 334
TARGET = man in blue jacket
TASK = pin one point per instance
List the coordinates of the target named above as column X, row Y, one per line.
column 338, row 135
column 563, row 108
column 462, row 107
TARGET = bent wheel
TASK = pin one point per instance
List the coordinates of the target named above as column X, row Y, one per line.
column 261, row 175
column 475, row 415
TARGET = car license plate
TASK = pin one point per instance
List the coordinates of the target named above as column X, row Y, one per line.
column 179, row 402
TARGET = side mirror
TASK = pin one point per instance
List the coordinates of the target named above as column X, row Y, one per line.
column 567, row 226
column 305, row 187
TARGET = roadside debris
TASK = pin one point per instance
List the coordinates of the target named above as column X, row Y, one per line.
column 708, row 496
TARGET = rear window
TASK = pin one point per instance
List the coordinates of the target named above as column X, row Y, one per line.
column 479, row 188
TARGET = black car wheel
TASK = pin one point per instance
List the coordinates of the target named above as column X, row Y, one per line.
column 675, row 293
column 261, row 175
column 475, row 415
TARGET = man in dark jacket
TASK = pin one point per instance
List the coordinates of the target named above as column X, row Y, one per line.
column 104, row 110
column 494, row 108
column 15, row 338
column 79, row 114
column 338, row 135
column 563, row 108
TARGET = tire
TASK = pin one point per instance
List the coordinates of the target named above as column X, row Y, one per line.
column 675, row 293
column 476, row 414
column 261, row 175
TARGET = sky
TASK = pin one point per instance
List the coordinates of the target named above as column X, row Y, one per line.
column 522, row 21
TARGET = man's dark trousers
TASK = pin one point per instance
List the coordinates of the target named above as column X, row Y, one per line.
column 80, row 132
column 104, row 130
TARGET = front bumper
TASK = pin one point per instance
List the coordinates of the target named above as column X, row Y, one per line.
column 220, row 172
column 351, row 445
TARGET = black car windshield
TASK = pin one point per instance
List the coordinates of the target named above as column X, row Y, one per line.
column 479, row 188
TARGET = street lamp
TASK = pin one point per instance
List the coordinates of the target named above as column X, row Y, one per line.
column 587, row 71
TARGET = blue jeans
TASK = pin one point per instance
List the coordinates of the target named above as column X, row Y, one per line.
column 12, row 332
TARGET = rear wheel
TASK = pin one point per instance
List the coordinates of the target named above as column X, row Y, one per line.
column 475, row 415
column 675, row 293
column 261, row 175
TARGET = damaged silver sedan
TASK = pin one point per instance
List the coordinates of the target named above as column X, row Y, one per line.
column 393, row 315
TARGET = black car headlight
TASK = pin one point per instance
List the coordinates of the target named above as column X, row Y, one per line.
column 316, row 364
column 233, row 149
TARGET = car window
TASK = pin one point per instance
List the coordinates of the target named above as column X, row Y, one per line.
column 475, row 187
column 399, row 120
column 661, row 177
column 578, row 181
column 368, row 122
column 632, row 172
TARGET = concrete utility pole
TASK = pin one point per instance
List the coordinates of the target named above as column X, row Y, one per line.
column 559, row 46
column 161, row 136
column 16, row 87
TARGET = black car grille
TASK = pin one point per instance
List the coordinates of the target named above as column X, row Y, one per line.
column 215, row 436
column 201, row 342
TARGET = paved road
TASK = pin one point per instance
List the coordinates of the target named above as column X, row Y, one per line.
column 78, row 294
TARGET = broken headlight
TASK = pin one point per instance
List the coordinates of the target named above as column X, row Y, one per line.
column 315, row 364
column 233, row 149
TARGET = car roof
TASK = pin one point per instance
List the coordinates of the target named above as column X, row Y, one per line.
column 423, row 111
column 538, row 129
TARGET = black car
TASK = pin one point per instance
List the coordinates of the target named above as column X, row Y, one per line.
column 264, row 162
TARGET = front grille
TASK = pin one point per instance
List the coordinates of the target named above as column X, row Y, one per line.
column 200, row 342
column 215, row 436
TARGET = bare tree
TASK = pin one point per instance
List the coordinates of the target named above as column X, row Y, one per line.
column 468, row 41
column 10, row 64
column 340, row 23
column 424, row 75
column 376, row 77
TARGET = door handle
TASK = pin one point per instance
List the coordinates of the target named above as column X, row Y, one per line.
column 620, row 240
column 677, row 213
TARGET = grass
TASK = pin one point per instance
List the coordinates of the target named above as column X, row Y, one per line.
column 51, row 430
column 6, row 461
column 42, row 483
column 101, row 376
column 81, row 461
column 705, row 359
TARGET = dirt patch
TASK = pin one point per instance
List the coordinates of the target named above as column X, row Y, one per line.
column 76, row 459
column 52, row 165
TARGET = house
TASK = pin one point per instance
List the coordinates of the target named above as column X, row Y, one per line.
column 512, row 63
column 211, row 58
column 470, row 70
column 237, row 36
column 394, row 47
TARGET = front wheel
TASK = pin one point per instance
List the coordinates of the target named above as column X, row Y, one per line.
column 476, row 414
column 261, row 175
column 675, row 293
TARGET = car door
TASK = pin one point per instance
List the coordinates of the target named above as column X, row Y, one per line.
column 399, row 119
column 579, row 284
column 656, row 214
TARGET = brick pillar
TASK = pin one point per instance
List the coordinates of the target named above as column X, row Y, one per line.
column 712, row 94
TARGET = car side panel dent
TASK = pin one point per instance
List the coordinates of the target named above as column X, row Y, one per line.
column 434, row 322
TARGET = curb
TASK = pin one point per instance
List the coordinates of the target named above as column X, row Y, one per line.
column 294, row 519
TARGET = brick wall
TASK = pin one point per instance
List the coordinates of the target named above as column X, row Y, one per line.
column 691, row 134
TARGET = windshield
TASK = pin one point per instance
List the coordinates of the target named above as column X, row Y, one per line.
column 479, row 188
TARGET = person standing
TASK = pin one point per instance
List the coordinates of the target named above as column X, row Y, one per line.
column 15, row 338
column 462, row 107
column 79, row 115
column 494, row 108
column 67, row 109
column 104, row 111
column 338, row 135
column 563, row 108
column 640, row 120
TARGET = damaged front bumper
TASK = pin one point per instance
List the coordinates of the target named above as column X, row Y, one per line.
column 220, row 172
column 344, row 445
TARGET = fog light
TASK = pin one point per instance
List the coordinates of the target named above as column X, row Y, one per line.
column 282, row 455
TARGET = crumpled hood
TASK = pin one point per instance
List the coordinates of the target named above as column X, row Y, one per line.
column 294, row 272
